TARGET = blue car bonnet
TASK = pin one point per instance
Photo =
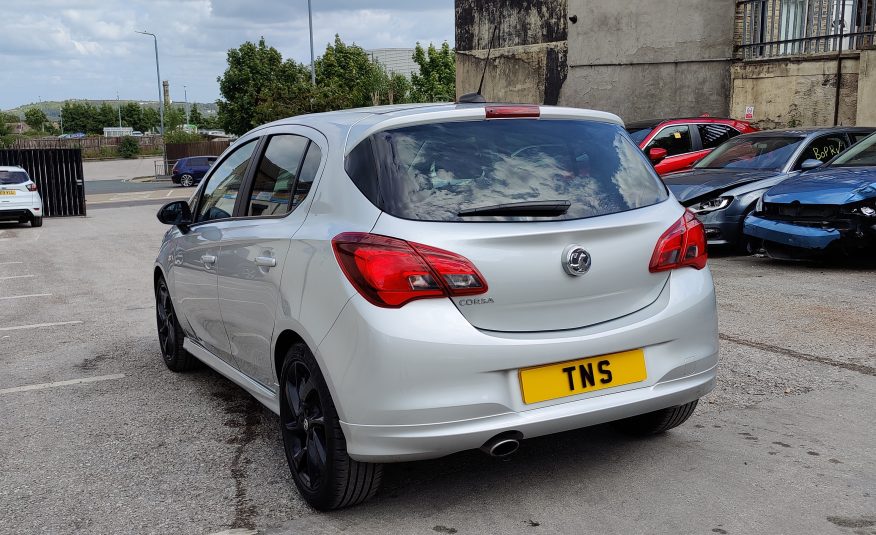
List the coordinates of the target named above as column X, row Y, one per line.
column 833, row 185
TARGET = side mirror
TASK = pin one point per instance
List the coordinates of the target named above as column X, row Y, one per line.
column 811, row 163
column 657, row 155
column 176, row 213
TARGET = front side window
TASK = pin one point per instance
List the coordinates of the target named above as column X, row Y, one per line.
column 822, row 149
column 759, row 152
column 713, row 135
column 860, row 155
column 284, row 175
column 220, row 193
column 675, row 139
column 507, row 170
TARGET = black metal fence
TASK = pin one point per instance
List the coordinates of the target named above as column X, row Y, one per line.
column 58, row 175
column 774, row 28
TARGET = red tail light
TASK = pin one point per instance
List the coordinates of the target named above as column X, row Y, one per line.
column 390, row 272
column 684, row 244
column 31, row 187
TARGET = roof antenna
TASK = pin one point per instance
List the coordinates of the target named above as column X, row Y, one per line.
column 478, row 97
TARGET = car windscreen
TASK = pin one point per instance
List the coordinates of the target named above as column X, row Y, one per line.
column 859, row 155
column 639, row 134
column 13, row 177
column 760, row 152
column 504, row 170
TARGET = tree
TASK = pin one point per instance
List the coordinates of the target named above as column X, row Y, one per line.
column 107, row 116
column 195, row 117
column 398, row 89
column 351, row 77
column 437, row 77
column 258, row 87
column 132, row 116
column 35, row 118
column 129, row 147
column 151, row 119
column 174, row 117
column 80, row 117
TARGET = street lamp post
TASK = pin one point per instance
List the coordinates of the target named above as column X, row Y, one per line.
column 186, row 100
column 160, row 100
column 312, row 64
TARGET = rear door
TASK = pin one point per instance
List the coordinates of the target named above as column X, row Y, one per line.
column 435, row 178
column 254, row 247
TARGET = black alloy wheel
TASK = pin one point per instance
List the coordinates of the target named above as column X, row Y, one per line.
column 316, row 449
column 304, row 428
column 170, row 334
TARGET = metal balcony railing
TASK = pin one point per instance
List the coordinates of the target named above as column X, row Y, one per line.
column 775, row 28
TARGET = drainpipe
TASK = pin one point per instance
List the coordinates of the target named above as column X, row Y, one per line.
column 839, row 63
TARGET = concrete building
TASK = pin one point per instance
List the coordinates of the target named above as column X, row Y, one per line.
column 644, row 58
column 395, row 60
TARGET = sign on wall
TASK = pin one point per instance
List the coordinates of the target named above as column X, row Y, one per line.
column 749, row 112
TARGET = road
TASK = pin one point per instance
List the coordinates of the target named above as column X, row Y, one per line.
column 785, row 444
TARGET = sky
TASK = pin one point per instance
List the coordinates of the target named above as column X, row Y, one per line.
column 88, row 49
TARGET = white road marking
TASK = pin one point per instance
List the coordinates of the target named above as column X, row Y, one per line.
column 25, row 296
column 168, row 194
column 237, row 531
column 39, row 325
column 16, row 277
column 7, row 263
column 43, row 386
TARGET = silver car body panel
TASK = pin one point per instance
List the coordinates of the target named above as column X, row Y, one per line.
column 437, row 376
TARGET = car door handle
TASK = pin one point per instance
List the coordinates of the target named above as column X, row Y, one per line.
column 266, row 261
column 208, row 259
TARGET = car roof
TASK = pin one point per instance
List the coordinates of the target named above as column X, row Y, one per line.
column 809, row 131
column 651, row 123
column 11, row 168
column 355, row 124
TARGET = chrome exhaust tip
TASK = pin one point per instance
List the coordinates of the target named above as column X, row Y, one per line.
column 503, row 444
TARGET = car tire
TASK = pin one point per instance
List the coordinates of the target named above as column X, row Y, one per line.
column 187, row 180
column 170, row 334
column 36, row 221
column 315, row 447
column 653, row 423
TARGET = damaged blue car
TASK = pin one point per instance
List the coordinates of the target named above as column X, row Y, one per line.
column 832, row 208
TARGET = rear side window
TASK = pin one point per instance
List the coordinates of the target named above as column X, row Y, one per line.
column 713, row 135
column 13, row 177
column 444, row 171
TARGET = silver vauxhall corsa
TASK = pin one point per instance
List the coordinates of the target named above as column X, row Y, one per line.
column 406, row 282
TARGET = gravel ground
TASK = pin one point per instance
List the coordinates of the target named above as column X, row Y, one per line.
column 785, row 444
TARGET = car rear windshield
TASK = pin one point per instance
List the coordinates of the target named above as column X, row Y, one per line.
column 758, row 152
column 504, row 170
column 13, row 177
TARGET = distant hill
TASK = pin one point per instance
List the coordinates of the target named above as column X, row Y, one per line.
column 52, row 108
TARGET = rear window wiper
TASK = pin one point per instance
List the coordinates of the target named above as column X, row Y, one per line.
column 524, row 208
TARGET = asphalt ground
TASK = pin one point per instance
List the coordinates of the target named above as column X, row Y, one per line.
column 785, row 444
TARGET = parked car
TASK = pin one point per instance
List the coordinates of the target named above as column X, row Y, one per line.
column 833, row 207
column 438, row 278
column 137, row 133
column 725, row 185
column 19, row 199
column 189, row 171
column 76, row 135
column 677, row 144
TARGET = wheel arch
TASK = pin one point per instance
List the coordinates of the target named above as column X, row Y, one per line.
column 285, row 340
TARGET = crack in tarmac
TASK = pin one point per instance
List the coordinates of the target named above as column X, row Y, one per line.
column 851, row 366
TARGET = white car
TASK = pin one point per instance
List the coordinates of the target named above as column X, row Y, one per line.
column 19, row 198
column 406, row 282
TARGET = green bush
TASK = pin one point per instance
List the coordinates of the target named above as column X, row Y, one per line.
column 181, row 136
column 129, row 147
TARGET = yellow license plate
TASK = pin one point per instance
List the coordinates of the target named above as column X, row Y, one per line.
column 7, row 192
column 553, row 381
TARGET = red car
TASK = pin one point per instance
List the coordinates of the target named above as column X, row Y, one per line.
column 677, row 144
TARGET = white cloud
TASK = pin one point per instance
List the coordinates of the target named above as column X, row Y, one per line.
column 60, row 49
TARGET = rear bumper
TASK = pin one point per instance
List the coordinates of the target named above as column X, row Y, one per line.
column 790, row 234
column 20, row 212
column 425, row 383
